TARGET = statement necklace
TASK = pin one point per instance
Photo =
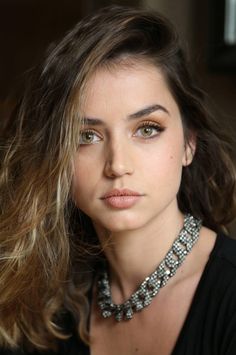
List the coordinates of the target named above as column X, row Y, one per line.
column 152, row 284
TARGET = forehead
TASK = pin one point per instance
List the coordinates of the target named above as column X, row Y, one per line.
column 126, row 87
column 124, row 74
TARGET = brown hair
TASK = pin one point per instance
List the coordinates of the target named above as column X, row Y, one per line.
column 47, row 256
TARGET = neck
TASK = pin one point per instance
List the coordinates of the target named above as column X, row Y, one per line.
column 133, row 255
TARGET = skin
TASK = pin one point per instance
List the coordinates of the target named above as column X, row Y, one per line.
column 117, row 151
column 120, row 155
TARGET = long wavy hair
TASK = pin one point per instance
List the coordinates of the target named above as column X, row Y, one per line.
column 48, row 249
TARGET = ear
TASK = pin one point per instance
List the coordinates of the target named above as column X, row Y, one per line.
column 189, row 150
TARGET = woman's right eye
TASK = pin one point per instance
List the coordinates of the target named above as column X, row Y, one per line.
column 89, row 137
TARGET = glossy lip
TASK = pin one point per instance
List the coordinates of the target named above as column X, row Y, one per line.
column 121, row 198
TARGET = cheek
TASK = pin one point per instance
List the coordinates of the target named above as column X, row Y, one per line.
column 174, row 168
column 175, row 154
column 174, row 164
column 80, row 193
column 167, row 178
column 80, row 182
column 167, row 169
column 164, row 170
column 85, row 179
column 166, row 158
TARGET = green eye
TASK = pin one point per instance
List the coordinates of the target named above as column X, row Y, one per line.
column 89, row 137
column 146, row 131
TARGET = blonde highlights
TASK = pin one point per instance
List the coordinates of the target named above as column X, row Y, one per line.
column 49, row 249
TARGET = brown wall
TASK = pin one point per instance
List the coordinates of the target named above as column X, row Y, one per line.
column 26, row 29
column 191, row 17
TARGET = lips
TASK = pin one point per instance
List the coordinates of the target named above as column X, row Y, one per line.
column 121, row 199
column 123, row 192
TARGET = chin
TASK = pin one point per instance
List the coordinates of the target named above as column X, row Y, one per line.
column 118, row 224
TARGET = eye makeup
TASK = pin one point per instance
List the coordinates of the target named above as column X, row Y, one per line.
column 148, row 129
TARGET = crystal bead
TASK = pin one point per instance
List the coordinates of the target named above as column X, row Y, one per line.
column 150, row 287
column 147, row 300
column 106, row 314
column 129, row 313
column 138, row 306
column 119, row 316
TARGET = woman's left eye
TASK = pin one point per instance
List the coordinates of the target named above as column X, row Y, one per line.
column 148, row 130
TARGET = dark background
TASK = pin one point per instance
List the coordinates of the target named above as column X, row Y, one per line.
column 28, row 26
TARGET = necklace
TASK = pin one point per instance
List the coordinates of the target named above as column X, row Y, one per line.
column 152, row 284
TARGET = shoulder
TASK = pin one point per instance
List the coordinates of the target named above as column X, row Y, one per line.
column 218, row 280
column 225, row 250
column 219, row 277
column 224, row 258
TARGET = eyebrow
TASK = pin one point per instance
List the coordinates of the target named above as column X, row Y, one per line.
column 148, row 110
column 141, row 113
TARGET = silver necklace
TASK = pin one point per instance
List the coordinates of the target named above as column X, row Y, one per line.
column 152, row 284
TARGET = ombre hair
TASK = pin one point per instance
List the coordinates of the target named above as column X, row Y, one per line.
column 49, row 249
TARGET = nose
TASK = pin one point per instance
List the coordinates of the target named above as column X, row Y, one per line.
column 118, row 160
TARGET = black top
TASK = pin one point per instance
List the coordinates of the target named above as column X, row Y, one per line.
column 210, row 326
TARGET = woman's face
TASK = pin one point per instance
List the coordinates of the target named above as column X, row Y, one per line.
column 129, row 164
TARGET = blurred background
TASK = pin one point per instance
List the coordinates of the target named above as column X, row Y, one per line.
column 28, row 26
column 207, row 29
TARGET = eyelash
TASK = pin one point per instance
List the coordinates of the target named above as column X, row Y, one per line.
column 152, row 125
column 88, row 131
column 148, row 124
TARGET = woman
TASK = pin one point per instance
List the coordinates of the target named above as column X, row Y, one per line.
column 116, row 188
